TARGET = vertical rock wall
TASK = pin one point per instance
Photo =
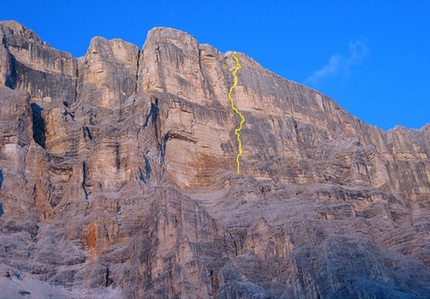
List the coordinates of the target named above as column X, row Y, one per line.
column 118, row 179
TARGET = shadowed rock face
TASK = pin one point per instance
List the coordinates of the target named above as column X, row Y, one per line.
column 118, row 180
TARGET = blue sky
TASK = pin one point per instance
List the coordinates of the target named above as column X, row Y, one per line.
column 372, row 57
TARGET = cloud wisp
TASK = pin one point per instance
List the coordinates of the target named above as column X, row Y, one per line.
column 339, row 64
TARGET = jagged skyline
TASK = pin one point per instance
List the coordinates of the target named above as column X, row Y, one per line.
column 370, row 57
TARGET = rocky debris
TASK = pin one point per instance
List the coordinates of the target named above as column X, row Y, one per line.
column 118, row 180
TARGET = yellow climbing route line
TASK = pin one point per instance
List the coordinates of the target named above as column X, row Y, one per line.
column 239, row 141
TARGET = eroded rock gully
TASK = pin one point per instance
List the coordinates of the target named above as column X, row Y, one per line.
column 118, row 180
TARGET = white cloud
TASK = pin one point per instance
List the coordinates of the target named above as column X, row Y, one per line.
column 338, row 64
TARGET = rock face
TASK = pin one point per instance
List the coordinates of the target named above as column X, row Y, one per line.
column 118, row 180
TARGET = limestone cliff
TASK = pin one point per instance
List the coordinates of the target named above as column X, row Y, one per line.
column 118, row 180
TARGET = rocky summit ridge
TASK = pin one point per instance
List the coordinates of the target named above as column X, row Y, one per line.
column 118, row 180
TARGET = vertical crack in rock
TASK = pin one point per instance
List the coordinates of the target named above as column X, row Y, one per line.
column 84, row 179
column 141, row 176
column 34, row 194
column 152, row 116
column 145, row 177
column 1, row 178
column 87, row 133
column 117, row 156
column 11, row 76
column 108, row 279
column 75, row 94
column 295, row 128
column 148, row 168
column 163, row 145
column 137, row 72
column 10, row 80
column 204, row 82
column 38, row 125
column 160, row 69
column 1, row 184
